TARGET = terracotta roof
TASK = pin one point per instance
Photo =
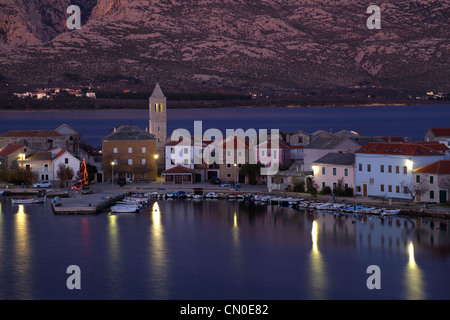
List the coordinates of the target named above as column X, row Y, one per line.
column 401, row 149
column 268, row 145
column 433, row 145
column 31, row 133
column 438, row 167
column 60, row 153
column 441, row 132
column 392, row 139
column 178, row 169
column 6, row 151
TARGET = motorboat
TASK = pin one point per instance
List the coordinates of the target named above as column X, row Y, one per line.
column 390, row 212
column 124, row 208
column 28, row 201
column 211, row 195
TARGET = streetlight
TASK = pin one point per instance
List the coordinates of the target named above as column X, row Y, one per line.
column 113, row 163
column 236, row 177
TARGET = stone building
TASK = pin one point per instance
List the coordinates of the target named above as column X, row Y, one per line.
column 129, row 152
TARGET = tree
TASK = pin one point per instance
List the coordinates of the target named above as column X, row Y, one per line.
column 64, row 174
column 252, row 171
column 416, row 189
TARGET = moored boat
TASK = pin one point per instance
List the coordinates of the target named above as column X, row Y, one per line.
column 28, row 201
column 124, row 208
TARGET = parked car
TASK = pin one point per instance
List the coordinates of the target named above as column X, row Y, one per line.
column 230, row 184
column 43, row 184
column 121, row 182
column 214, row 180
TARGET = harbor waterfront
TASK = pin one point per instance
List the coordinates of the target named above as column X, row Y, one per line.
column 186, row 248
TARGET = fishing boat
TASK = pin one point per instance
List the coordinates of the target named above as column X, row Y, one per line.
column 390, row 212
column 125, row 208
column 28, row 201
column 211, row 195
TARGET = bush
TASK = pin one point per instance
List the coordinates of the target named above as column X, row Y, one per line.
column 325, row 190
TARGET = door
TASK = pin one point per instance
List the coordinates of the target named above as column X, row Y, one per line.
column 442, row 196
column 364, row 190
column 198, row 177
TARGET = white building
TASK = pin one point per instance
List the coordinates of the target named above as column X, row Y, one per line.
column 386, row 169
column 46, row 163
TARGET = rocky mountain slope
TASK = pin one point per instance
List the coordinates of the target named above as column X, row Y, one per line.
column 247, row 44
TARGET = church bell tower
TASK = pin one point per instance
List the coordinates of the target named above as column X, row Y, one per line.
column 158, row 120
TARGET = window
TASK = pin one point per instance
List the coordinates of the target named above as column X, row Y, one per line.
column 360, row 167
column 323, row 184
column 274, row 154
column 346, row 186
column 397, row 189
column 405, row 190
column 143, row 162
column 334, row 171
column 272, row 180
column 228, row 175
column 431, row 194
column 172, row 150
column 66, row 160
column 130, row 150
column 334, row 185
column 389, row 188
column 405, row 170
column 323, row 170
column 417, row 178
column 346, row 172
column 431, row 179
column 144, row 149
column 382, row 168
column 186, row 150
column 130, row 162
column 282, row 180
column 228, row 165
column 369, row 168
column 263, row 153
column 186, row 177
column 45, row 166
column 358, row 188
column 382, row 188
column 389, row 168
column 169, row 177
column 186, row 161
column 116, row 150
column 397, row 169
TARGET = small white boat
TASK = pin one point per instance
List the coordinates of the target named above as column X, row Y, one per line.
column 211, row 195
column 390, row 212
column 2, row 192
column 198, row 196
column 124, row 208
column 28, row 201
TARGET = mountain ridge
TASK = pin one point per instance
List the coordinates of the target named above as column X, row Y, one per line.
column 274, row 45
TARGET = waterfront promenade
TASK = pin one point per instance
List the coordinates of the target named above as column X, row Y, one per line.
column 105, row 194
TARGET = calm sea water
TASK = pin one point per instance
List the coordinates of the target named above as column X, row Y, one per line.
column 410, row 121
column 219, row 249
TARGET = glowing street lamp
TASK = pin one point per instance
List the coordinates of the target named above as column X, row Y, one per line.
column 156, row 156
column 113, row 163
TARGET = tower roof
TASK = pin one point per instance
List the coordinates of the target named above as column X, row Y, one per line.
column 157, row 92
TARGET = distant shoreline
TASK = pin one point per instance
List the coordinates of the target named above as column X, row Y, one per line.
column 292, row 106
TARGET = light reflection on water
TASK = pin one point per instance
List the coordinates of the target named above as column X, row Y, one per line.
column 220, row 250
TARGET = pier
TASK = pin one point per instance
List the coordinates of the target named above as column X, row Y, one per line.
column 86, row 204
